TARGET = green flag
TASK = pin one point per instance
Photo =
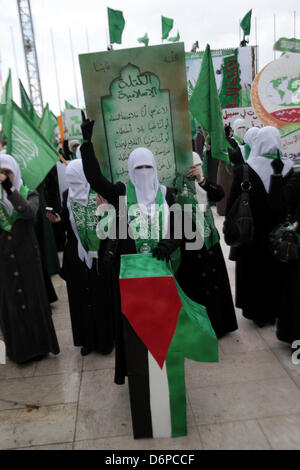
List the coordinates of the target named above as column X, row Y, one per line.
column 246, row 23
column 205, row 107
column 28, row 146
column 116, row 25
column 176, row 38
column 167, row 25
column 7, row 91
column 144, row 39
column 27, row 106
column 69, row 105
column 48, row 125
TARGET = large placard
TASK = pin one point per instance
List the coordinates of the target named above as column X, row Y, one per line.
column 138, row 98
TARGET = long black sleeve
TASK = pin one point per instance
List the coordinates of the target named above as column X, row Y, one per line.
column 214, row 191
column 98, row 182
column 235, row 190
column 285, row 195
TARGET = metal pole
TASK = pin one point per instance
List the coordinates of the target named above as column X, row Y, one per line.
column 256, row 43
column 87, row 40
column 56, row 76
column 274, row 34
column 74, row 71
column 294, row 24
column 14, row 49
column 239, row 32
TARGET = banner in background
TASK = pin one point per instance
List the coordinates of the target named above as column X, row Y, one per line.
column 72, row 122
column 245, row 63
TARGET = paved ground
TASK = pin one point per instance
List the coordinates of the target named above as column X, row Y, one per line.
column 250, row 400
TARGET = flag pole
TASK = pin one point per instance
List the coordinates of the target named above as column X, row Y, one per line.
column 14, row 49
column 274, row 35
column 256, row 43
column 55, row 68
column 74, row 71
column 87, row 40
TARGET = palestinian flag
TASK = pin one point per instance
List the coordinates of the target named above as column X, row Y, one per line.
column 162, row 326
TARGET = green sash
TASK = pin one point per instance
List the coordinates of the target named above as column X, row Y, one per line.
column 238, row 139
column 7, row 221
column 247, row 151
column 204, row 220
column 272, row 156
column 147, row 231
column 86, row 222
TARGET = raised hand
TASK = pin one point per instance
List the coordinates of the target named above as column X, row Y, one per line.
column 86, row 128
column 277, row 166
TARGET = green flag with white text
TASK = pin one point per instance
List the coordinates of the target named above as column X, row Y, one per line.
column 28, row 146
column 27, row 106
column 48, row 125
column 246, row 23
column 205, row 107
column 166, row 25
column 116, row 25
column 144, row 39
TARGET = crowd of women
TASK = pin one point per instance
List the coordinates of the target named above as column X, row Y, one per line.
column 266, row 288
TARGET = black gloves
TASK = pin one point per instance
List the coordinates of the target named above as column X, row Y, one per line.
column 161, row 252
column 7, row 185
column 277, row 166
column 86, row 128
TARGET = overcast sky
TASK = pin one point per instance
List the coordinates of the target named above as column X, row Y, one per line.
column 215, row 22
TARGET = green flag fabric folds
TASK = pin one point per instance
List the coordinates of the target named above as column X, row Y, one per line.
column 69, row 105
column 170, row 327
column 144, row 39
column 246, row 23
column 7, row 91
column 167, row 25
column 27, row 106
column 48, row 125
column 7, row 96
column 116, row 25
column 205, row 107
column 28, row 146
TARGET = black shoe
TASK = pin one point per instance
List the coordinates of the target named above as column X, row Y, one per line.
column 85, row 351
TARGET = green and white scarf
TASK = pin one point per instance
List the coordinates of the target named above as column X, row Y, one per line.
column 7, row 221
column 204, row 220
column 146, row 230
column 84, row 222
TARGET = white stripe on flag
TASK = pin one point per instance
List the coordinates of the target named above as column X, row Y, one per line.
column 159, row 399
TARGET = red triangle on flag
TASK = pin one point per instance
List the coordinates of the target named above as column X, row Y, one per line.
column 151, row 305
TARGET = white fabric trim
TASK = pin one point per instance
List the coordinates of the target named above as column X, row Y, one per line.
column 159, row 399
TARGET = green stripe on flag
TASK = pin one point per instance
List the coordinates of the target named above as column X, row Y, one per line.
column 134, row 266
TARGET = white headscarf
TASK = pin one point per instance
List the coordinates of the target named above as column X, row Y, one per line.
column 146, row 182
column 201, row 194
column 9, row 163
column 79, row 190
column 249, row 139
column 267, row 141
column 239, row 128
column 77, row 183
